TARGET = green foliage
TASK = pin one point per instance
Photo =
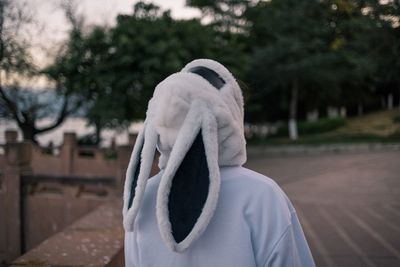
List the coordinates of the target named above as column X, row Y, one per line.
column 14, row 55
column 333, row 139
column 298, row 42
column 225, row 15
column 396, row 119
column 227, row 21
column 111, row 155
column 18, row 102
column 337, row 53
column 147, row 50
column 321, row 126
column 88, row 140
column 116, row 70
column 312, row 128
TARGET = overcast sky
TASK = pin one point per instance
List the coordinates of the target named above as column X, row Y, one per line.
column 102, row 12
column 53, row 28
column 105, row 11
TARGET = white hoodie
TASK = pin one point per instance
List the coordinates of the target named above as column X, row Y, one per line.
column 254, row 225
column 203, row 208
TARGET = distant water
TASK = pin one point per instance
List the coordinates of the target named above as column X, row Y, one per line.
column 77, row 125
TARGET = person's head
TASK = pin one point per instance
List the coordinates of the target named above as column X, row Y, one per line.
column 195, row 120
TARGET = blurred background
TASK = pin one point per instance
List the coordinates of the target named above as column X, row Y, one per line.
column 321, row 80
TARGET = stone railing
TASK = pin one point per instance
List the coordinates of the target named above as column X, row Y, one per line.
column 51, row 203
column 71, row 159
column 41, row 193
column 94, row 240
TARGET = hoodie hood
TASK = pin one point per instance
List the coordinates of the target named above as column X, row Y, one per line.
column 174, row 96
column 195, row 121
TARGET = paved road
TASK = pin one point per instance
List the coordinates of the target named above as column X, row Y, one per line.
column 348, row 204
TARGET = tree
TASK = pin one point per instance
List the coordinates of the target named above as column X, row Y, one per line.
column 16, row 64
column 226, row 19
column 357, row 37
column 115, row 70
column 149, row 45
column 79, row 71
column 292, row 54
column 386, row 48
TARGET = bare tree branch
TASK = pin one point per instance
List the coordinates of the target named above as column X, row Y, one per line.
column 60, row 119
column 12, row 106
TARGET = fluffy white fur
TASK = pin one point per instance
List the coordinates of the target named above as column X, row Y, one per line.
column 148, row 139
column 231, row 92
column 183, row 104
column 171, row 102
column 199, row 117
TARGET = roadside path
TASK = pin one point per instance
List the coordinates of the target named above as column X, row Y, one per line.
column 348, row 204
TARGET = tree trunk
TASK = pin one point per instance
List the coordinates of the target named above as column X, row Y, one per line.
column 343, row 112
column 2, row 7
column 390, row 101
column 292, row 125
column 360, row 109
column 98, row 134
column 29, row 132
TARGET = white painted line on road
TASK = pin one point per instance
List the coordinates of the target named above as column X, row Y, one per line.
column 380, row 217
column 322, row 250
column 373, row 233
column 394, row 210
column 342, row 233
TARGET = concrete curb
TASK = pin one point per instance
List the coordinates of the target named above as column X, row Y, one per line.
column 280, row 150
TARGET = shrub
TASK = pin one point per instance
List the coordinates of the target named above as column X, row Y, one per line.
column 396, row 119
column 317, row 127
column 321, row 126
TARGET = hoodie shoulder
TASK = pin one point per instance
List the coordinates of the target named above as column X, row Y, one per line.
column 250, row 178
column 258, row 188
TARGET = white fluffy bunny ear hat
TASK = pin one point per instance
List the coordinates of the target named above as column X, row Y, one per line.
column 195, row 120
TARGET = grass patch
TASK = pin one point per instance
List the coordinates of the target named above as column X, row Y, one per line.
column 308, row 128
column 321, row 126
column 328, row 139
column 377, row 127
column 381, row 123
column 396, row 119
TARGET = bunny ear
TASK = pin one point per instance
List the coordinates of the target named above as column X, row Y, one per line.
column 188, row 191
column 138, row 172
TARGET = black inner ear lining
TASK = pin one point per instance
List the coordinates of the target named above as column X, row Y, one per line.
column 135, row 177
column 211, row 76
column 189, row 190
